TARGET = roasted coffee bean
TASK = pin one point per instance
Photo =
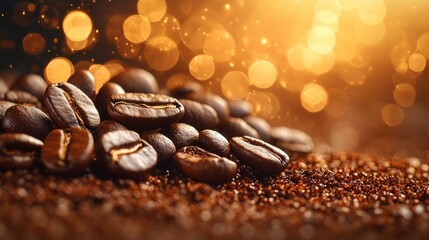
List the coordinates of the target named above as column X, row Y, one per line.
column 261, row 126
column 240, row 108
column 199, row 115
column 261, row 156
column 105, row 127
column 85, row 81
column 216, row 102
column 67, row 152
column 9, row 77
column 102, row 101
column 136, row 80
column 292, row 140
column 31, row 83
column 145, row 111
column 181, row 134
column 204, row 166
column 162, row 145
column 20, row 97
column 123, row 154
column 4, row 106
column 233, row 127
column 185, row 88
column 18, row 150
column 69, row 107
column 214, row 142
column 27, row 119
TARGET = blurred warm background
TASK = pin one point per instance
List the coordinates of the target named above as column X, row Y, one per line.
column 350, row 72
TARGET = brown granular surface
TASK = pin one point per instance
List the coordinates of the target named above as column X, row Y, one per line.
column 343, row 196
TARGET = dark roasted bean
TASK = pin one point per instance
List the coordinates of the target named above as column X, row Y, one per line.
column 20, row 97
column 214, row 142
column 145, row 111
column 136, row 80
column 261, row 126
column 185, row 88
column 27, row 119
column 162, row 145
column 69, row 107
column 105, row 127
column 261, row 156
column 181, row 134
column 123, row 154
column 102, row 101
column 292, row 140
column 85, row 81
column 18, row 150
column 233, row 127
column 204, row 166
column 67, row 152
column 240, row 108
column 199, row 115
column 4, row 106
column 31, row 83
column 218, row 103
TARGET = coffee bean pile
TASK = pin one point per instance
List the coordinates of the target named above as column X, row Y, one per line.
column 128, row 129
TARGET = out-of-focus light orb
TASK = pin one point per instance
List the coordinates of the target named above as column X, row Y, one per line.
column 404, row 94
column 49, row 17
column 153, row 10
column 417, row 62
column 321, row 39
column 348, row 5
column 101, row 75
column 202, row 67
column 314, row 97
column 339, row 102
column 400, row 55
column 161, row 53
column 76, row 46
column 295, row 56
column 169, row 26
column 77, row 25
column 326, row 19
column 371, row 12
column 126, row 48
column 370, row 34
column 136, row 28
column 392, row 115
column 423, row 45
column 318, row 63
column 195, row 30
column 33, row 44
column 262, row 74
column 328, row 5
column 58, row 70
column 220, row 45
column 235, row 85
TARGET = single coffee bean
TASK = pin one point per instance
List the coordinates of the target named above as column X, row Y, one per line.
column 136, row 80
column 261, row 156
column 105, row 127
column 31, row 83
column 204, row 166
column 240, row 108
column 27, row 119
column 102, row 101
column 185, row 88
column 69, row 107
column 181, row 134
column 67, row 152
column 199, row 115
column 214, row 142
column 292, row 140
column 123, row 154
column 85, row 81
column 216, row 102
column 233, row 127
column 18, row 150
column 4, row 106
column 20, row 97
column 261, row 126
column 162, row 145
column 145, row 111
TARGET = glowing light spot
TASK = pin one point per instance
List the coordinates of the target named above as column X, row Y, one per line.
column 328, row 5
column 371, row 12
column 161, row 53
column 219, row 45
column 262, row 74
column 404, row 94
column 392, row 115
column 423, row 44
column 136, row 28
column 400, row 54
column 58, row 70
column 321, row 39
column 326, row 19
column 314, row 97
column 77, row 25
column 235, row 85
column 417, row 62
column 101, row 75
column 318, row 63
column 227, row 7
column 33, row 44
column 169, row 26
column 202, row 67
column 153, row 10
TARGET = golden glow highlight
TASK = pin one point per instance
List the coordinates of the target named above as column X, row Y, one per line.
column 58, row 70
column 153, row 10
column 202, row 67
column 314, row 98
column 136, row 28
column 77, row 26
column 262, row 74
